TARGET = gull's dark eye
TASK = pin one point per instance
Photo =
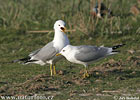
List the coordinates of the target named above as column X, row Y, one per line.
column 63, row 50
column 58, row 25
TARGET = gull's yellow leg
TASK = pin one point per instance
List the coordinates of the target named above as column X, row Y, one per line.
column 51, row 70
column 86, row 73
column 54, row 71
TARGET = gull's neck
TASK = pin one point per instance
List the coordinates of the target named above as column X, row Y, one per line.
column 60, row 40
column 58, row 35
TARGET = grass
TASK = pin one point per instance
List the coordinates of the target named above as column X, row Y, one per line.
column 116, row 75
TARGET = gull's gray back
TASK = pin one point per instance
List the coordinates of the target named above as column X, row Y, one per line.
column 90, row 53
column 46, row 53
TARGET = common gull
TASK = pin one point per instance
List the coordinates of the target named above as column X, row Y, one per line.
column 86, row 54
column 47, row 54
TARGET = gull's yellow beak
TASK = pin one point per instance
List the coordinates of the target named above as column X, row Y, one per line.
column 63, row 29
column 58, row 54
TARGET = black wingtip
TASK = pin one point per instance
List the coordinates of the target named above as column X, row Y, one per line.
column 118, row 46
column 23, row 59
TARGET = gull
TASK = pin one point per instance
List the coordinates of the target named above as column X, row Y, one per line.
column 86, row 54
column 47, row 54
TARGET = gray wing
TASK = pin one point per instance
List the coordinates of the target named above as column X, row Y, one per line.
column 90, row 53
column 34, row 52
column 46, row 53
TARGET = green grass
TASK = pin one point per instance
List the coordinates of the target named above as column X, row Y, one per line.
column 117, row 75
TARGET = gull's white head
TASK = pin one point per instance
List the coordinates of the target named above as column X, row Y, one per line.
column 59, row 26
column 66, row 50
